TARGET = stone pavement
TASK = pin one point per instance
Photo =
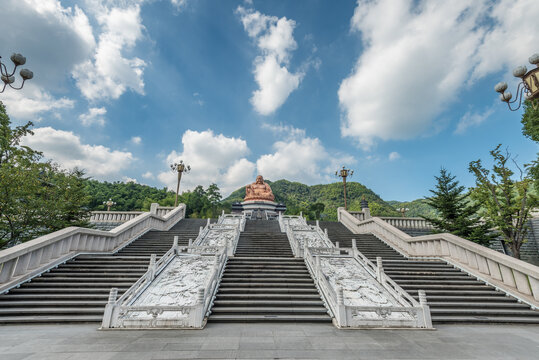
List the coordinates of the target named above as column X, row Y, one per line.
column 268, row 341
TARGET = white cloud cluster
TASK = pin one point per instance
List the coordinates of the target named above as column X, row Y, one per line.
column 109, row 74
column 136, row 140
column 275, row 42
column 418, row 55
column 53, row 39
column 213, row 159
column 221, row 159
column 33, row 101
column 94, row 115
column 66, row 149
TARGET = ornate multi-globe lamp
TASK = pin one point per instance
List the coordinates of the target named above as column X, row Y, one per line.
column 109, row 203
column 527, row 89
column 344, row 173
column 8, row 78
column 180, row 168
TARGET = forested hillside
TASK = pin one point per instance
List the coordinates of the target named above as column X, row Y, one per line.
column 300, row 197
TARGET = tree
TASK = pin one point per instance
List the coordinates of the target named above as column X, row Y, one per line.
column 457, row 214
column 316, row 209
column 530, row 129
column 507, row 202
column 36, row 196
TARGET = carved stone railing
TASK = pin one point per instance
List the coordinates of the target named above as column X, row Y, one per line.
column 407, row 222
column 391, row 307
column 226, row 232
column 146, row 304
column 113, row 216
column 22, row 262
column 515, row 277
column 360, row 215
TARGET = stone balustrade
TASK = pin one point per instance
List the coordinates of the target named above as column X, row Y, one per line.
column 22, row 262
column 113, row 216
column 406, row 222
column 193, row 270
column 515, row 277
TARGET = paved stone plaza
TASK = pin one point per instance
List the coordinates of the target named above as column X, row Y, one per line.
column 269, row 341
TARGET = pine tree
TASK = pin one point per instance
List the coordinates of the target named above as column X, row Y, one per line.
column 457, row 214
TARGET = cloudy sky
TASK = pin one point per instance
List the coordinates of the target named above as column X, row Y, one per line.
column 288, row 89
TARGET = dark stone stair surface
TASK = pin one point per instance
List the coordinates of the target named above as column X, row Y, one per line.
column 264, row 282
column 453, row 295
column 77, row 291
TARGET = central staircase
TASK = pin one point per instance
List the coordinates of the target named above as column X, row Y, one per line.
column 264, row 282
column 453, row 295
column 77, row 291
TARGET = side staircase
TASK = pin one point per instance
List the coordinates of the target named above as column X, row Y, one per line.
column 453, row 295
column 77, row 291
column 264, row 282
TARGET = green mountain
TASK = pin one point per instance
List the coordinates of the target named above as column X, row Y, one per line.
column 417, row 208
column 300, row 197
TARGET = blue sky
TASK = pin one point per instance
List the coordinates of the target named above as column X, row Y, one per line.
column 287, row 89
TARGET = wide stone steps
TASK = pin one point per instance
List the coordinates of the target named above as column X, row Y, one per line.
column 264, row 282
column 77, row 291
column 453, row 296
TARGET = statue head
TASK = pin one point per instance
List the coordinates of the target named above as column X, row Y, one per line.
column 259, row 179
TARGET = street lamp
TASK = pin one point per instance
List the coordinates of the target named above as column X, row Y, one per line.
column 403, row 211
column 8, row 77
column 528, row 87
column 109, row 203
column 179, row 168
column 344, row 173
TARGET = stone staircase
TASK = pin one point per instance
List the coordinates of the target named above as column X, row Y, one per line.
column 264, row 282
column 77, row 291
column 453, row 295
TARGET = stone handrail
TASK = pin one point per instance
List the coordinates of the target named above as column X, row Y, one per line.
column 113, row 216
column 515, row 277
column 22, row 262
column 346, row 315
column 407, row 222
column 195, row 314
column 360, row 215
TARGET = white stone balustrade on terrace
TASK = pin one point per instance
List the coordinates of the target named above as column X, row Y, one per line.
column 515, row 277
column 113, row 216
column 408, row 222
column 24, row 261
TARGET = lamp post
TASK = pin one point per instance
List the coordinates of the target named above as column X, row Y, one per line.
column 179, row 168
column 8, row 77
column 109, row 204
column 344, row 173
column 403, row 211
column 527, row 89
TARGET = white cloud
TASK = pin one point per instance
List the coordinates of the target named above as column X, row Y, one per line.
column 286, row 131
column 109, row 74
column 148, row 175
column 213, row 159
column 275, row 42
column 302, row 159
column 394, row 156
column 137, row 140
column 93, row 116
column 471, row 119
column 32, row 101
column 418, row 55
column 66, row 149
column 127, row 179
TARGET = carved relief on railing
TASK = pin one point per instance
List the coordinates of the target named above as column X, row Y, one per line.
column 176, row 291
column 517, row 278
column 357, row 297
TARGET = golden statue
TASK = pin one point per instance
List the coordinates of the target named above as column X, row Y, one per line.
column 258, row 190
